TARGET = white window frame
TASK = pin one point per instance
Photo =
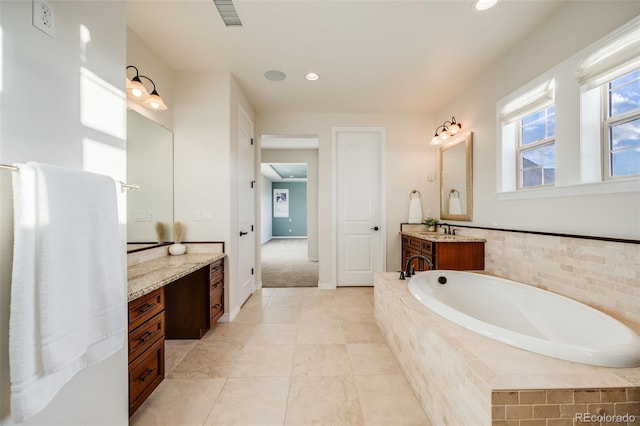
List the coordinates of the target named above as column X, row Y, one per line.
column 530, row 147
column 607, row 124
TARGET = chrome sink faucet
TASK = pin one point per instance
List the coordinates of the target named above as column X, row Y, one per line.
column 408, row 270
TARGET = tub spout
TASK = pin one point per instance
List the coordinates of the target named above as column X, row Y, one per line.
column 408, row 269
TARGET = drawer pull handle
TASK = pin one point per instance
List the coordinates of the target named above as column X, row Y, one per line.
column 146, row 374
column 217, row 306
column 216, row 285
column 148, row 335
column 146, row 308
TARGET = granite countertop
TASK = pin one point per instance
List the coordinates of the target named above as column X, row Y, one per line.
column 147, row 276
column 438, row 237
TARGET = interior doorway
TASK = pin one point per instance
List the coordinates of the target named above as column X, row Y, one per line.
column 289, row 212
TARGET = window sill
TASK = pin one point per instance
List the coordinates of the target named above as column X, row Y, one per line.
column 591, row 188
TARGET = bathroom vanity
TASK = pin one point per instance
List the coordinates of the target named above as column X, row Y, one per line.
column 173, row 297
column 454, row 252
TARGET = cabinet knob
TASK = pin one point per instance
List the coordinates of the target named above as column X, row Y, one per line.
column 375, row 228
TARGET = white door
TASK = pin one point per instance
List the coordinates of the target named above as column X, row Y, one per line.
column 246, row 213
column 359, row 205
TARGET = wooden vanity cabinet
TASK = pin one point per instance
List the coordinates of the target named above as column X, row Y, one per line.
column 195, row 302
column 452, row 255
column 146, row 346
column 216, row 291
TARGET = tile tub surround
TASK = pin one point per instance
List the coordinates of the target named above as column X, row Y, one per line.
column 455, row 372
column 147, row 276
column 602, row 274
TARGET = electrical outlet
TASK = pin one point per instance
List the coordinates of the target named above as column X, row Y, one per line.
column 44, row 18
column 196, row 215
column 207, row 215
column 151, row 215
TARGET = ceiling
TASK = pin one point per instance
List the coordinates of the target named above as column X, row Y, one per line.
column 282, row 172
column 372, row 56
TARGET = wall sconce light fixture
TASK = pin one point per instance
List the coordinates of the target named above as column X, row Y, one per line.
column 137, row 91
column 448, row 128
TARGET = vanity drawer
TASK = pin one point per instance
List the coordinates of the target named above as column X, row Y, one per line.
column 145, row 374
column 427, row 247
column 145, row 307
column 414, row 243
column 143, row 337
column 217, row 307
column 216, row 269
column 216, row 286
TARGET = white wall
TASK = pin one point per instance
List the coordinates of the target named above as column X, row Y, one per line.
column 572, row 28
column 409, row 158
column 266, row 224
column 310, row 157
column 46, row 116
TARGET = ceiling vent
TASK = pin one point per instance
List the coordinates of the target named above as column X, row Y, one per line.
column 228, row 13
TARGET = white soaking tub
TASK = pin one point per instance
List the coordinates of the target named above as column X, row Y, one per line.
column 527, row 317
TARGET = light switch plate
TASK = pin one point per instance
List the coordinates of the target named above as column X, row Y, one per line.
column 44, row 18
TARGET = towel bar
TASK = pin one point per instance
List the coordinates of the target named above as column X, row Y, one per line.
column 123, row 185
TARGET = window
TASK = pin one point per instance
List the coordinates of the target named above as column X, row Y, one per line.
column 622, row 126
column 536, row 148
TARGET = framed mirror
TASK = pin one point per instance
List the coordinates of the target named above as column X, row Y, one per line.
column 456, row 179
column 149, row 165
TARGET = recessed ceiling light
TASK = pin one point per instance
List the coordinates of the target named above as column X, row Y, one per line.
column 484, row 4
column 275, row 75
column 312, row 76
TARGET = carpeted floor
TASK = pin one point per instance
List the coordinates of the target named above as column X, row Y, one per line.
column 284, row 264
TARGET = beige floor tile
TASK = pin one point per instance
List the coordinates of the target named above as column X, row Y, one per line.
column 320, row 332
column 281, row 316
column 249, row 316
column 256, row 301
column 323, row 401
column 284, row 302
column 251, row 401
column 179, row 402
column 266, row 292
column 372, row 358
column 264, row 361
column 315, row 291
column 288, row 292
column 319, row 313
column 321, row 360
column 356, row 313
column 361, row 332
column 274, row 334
column 388, row 400
column 232, row 332
column 318, row 301
column 207, row 360
column 175, row 351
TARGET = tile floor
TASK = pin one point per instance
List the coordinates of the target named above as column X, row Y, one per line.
column 293, row 356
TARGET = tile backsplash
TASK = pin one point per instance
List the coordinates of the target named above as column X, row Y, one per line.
column 601, row 274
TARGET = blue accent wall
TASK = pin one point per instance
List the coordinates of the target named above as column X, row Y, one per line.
column 297, row 220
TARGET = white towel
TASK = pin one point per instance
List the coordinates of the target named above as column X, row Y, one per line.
column 415, row 211
column 68, row 290
column 454, row 206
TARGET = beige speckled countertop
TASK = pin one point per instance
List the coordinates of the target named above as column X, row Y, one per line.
column 147, row 276
column 438, row 237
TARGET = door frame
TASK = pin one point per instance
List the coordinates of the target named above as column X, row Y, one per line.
column 334, row 197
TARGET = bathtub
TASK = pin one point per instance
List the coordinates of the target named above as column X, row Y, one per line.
column 527, row 317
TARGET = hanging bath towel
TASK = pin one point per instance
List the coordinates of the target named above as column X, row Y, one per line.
column 68, row 289
column 415, row 207
column 454, row 202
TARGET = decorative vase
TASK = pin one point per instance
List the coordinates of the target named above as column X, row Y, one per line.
column 431, row 228
column 177, row 249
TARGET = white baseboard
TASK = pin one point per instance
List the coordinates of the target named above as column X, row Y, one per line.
column 326, row 286
column 230, row 316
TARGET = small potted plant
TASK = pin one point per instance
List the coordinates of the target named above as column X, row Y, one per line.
column 177, row 248
column 431, row 224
